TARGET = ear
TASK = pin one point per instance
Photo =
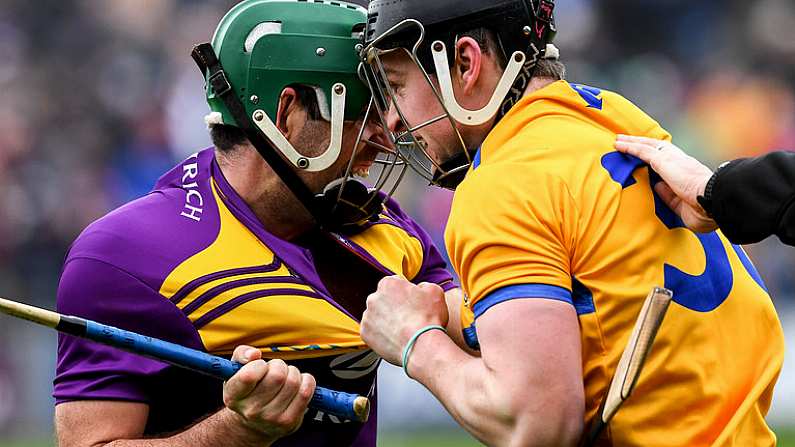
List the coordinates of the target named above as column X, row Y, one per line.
column 469, row 60
column 290, row 114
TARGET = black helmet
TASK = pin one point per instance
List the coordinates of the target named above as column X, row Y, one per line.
column 427, row 30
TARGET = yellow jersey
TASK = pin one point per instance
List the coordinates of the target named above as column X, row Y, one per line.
column 550, row 210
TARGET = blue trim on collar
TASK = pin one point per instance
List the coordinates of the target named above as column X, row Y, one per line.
column 521, row 291
column 476, row 160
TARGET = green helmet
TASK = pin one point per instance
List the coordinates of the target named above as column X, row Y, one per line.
column 265, row 45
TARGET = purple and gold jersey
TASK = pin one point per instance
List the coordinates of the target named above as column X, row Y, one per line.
column 190, row 263
column 550, row 210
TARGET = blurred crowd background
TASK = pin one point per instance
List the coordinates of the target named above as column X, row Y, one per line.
column 100, row 97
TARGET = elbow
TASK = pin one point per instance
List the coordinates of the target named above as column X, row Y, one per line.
column 558, row 425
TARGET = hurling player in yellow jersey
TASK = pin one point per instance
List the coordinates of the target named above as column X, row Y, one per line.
column 557, row 238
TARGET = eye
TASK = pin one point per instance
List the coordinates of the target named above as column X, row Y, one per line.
column 399, row 88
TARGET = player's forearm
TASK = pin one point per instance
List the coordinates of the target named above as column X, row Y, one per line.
column 222, row 428
column 488, row 406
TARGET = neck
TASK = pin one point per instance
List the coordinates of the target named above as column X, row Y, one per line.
column 264, row 192
column 537, row 84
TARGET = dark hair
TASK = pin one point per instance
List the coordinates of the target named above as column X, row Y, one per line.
column 226, row 137
column 489, row 43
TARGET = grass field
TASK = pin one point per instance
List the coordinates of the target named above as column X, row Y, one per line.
column 455, row 439
column 443, row 438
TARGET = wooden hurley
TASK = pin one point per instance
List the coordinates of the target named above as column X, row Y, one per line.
column 344, row 405
column 632, row 360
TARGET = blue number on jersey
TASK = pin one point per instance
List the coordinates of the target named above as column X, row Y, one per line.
column 702, row 293
column 589, row 94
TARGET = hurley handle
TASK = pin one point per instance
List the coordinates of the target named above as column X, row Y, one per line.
column 345, row 405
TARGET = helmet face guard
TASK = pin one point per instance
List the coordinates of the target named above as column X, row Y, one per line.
column 352, row 202
column 409, row 144
column 267, row 45
column 433, row 59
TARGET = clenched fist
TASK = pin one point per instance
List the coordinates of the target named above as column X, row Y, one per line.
column 269, row 397
column 396, row 311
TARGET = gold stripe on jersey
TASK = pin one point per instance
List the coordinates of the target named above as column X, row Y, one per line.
column 393, row 247
column 270, row 309
column 286, row 323
column 224, row 253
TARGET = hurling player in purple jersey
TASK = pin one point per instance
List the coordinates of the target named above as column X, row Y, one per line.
column 267, row 263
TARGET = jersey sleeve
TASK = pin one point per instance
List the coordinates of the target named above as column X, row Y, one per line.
column 511, row 235
column 87, row 370
column 433, row 267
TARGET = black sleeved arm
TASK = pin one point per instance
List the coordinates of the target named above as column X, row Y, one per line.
column 753, row 198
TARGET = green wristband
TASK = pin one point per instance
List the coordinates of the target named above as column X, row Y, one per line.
column 413, row 340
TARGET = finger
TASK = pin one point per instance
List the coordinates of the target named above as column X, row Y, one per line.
column 365, row 317
column 364, row 327
column 429, row 287
column 642, row 151
column 668, row 196
column 371, row 301
column 244, row 382
column 287, row 392
column 297, row 406
column 705, row 225
column 390, row 282
column 245, row 354
column 272, row 383
column 653, row 142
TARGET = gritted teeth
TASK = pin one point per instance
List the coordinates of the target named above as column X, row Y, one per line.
column 362, row 171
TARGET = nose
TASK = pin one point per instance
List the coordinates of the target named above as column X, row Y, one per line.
column 393, row 121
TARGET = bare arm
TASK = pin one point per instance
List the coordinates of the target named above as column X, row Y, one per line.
column 264, row 402
column 525, row 390
column 121, row 424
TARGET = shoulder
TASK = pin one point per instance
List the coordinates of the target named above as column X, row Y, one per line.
column 105, row 293
column 399, row 243
column 149, row 236
column 393, row 236
column 508, row 210
column 509, row 186
column 393, row 219
column 395, row 215
column 572, row 119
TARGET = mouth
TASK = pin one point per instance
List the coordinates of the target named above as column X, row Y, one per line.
column 365, row 158
column 367, row 155
column 362, row 169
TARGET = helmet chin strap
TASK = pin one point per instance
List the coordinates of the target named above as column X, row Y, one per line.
column 473, row 117
column 320, row 206
column 329, row 156
column 452, row 172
